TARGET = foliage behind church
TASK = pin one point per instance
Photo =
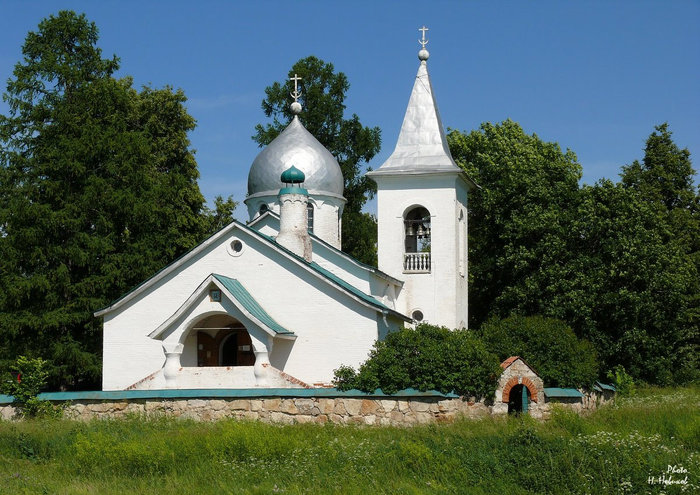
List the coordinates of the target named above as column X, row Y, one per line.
column 98, row 191
column 616, row 261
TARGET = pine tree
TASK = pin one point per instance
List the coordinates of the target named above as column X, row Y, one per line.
column 98, row 190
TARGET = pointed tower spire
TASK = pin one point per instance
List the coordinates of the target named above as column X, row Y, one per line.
column 422, row 213
column 422, row 145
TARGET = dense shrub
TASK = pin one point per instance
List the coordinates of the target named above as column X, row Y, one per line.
column 546, row 344
column 426, row 358
column 26, row 378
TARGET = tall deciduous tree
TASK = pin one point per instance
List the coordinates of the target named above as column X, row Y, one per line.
column 632, row 289
column 323, row 99
column 665, row 175
column 617, row 262
column 518, row 220
column 98, row 190
column 664, row 179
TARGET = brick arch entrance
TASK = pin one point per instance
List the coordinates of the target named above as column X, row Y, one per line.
column 526, row 382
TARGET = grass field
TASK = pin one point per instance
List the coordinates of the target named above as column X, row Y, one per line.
column 615, row 450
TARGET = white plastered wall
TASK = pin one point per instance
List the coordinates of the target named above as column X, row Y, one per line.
column 440, row 295
column 331, row 327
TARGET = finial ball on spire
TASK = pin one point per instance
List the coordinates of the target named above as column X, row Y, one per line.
column 295, row 107
column 423, row 55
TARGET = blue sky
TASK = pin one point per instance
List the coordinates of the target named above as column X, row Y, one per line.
column 593, row 76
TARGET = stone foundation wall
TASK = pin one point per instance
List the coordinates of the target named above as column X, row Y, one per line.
column 367, row 410
column 287, row 410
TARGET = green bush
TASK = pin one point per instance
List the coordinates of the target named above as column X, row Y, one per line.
column 623, row 381
column 25, row 380
column 425, row 358
column 546, row 344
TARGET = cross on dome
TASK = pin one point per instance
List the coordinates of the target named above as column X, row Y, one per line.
column 295, row 107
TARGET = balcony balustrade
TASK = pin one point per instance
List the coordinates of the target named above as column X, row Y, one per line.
column 416, row 263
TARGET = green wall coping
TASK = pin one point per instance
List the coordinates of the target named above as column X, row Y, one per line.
column 227, row 393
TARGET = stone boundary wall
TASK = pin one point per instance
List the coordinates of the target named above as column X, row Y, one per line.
column 285, row 410
column 404, row 410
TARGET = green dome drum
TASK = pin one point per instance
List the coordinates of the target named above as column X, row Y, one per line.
column 292, row 176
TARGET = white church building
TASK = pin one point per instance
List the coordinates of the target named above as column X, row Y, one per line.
column 274, row 302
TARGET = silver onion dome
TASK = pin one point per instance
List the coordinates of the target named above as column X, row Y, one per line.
column 295, row 146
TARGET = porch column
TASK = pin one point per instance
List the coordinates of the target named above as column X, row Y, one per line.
column 262, row 360
column 172, row 351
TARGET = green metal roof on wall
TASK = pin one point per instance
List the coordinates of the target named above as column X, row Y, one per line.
column 554, row 392
column 224, row 392
column 603, row 386
column 250, row 304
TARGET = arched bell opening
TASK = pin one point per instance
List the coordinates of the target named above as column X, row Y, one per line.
column 417, row 238
column 222, row 340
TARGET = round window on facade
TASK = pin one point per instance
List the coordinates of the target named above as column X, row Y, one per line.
column 235, row 247
column 417, row 315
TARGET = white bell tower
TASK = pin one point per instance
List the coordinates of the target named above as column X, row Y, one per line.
column 422, row 213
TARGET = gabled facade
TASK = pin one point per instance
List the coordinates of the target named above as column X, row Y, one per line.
column 286, row 313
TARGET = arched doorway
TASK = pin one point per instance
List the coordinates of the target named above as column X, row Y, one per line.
column 518, row 400
column 223, row 341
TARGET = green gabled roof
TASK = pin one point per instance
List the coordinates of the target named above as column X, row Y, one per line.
column 236, row 289
column 331, row 277
column 555, row 392
column 371, row 268
column 348, row 287
column 334, row 249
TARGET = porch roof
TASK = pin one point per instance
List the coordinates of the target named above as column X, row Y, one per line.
column 244, row 297
column 239, row 296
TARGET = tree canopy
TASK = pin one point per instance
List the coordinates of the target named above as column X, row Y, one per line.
column 548, row 345
column 616, row 262
column 323, row 94
column 98, row 191
column 518, row 222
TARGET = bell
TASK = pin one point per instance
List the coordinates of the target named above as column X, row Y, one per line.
column 420, row 232
column 427, row 232
column 409, row 230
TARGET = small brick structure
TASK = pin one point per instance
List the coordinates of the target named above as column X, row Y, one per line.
column 517, row 372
